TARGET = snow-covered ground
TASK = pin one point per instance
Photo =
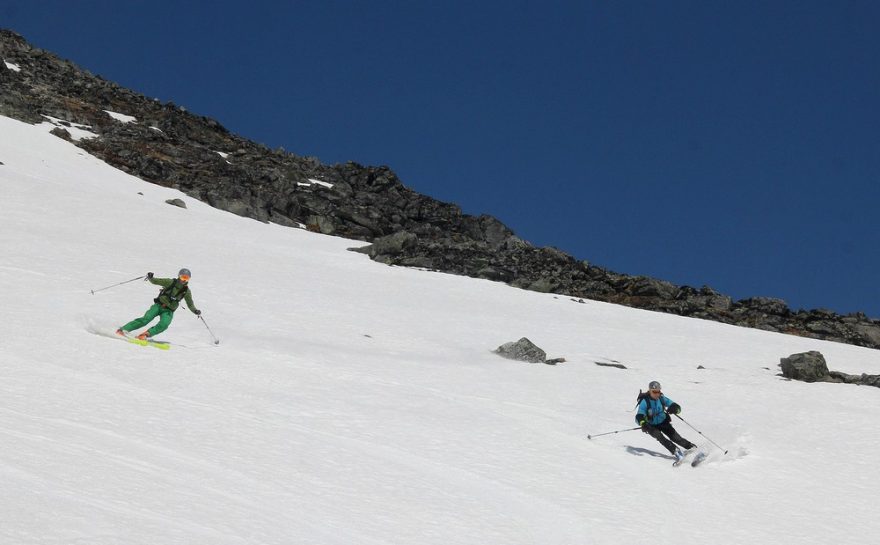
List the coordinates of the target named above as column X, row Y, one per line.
column 354, row 403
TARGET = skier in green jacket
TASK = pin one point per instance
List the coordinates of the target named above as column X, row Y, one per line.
column 173, row 290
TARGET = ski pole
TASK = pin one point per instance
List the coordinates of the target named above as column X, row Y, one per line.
column 119, row 284
column 216, row 340
column 610, row 432
column 701, row 433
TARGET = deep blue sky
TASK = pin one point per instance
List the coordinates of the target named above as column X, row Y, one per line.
column 733, row 144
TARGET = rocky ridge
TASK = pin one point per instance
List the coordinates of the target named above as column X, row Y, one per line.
column 169, row 146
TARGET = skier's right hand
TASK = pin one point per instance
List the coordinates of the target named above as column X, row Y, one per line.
column 149, row 276
column 644, row 424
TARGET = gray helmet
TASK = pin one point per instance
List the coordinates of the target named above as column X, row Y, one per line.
column 654, row 385
column 184, row 272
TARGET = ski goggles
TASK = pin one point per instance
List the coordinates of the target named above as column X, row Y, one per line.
column 184, row 277
column 655, row 391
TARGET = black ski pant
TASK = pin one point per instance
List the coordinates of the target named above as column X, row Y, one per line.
column 666, row 428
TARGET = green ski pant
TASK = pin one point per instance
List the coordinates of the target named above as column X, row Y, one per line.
column 165, row 315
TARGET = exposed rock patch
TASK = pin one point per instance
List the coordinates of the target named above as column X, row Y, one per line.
column 811, row 367
column 525, row 350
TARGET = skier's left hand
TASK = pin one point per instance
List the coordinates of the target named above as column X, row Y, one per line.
column 675, row 408
column 198, row 312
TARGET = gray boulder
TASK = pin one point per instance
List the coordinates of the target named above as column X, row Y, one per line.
column 393, row 245
column 806, row 366
column 868, row 331
column 64, row 134
column 522, row 350
column 384, row 249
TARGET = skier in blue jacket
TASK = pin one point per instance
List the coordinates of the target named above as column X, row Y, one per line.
column 651, row 416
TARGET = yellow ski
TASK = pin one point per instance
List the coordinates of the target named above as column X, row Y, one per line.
column 155, row 344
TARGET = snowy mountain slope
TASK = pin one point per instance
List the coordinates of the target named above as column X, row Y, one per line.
column 351, row 402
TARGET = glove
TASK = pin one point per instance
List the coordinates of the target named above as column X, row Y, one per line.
column 198, row 312
column 644, row 424
column 675, row 408
column 149, row 276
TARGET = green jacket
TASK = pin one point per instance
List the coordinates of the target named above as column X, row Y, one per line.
column 170, row 299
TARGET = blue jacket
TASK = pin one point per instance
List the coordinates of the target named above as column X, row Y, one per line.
column 653, row 410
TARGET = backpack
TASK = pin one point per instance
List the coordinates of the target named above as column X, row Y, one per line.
column 646, row 396
column 169, row 292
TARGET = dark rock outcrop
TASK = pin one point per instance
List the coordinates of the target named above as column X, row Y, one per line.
column 863, row 379
column 525, row 350
column 806, row 366
column 522, row 350
column 169, row 146
column 811, row 367
column 607, row 364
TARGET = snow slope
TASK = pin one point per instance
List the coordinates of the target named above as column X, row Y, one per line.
column 354, row 403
